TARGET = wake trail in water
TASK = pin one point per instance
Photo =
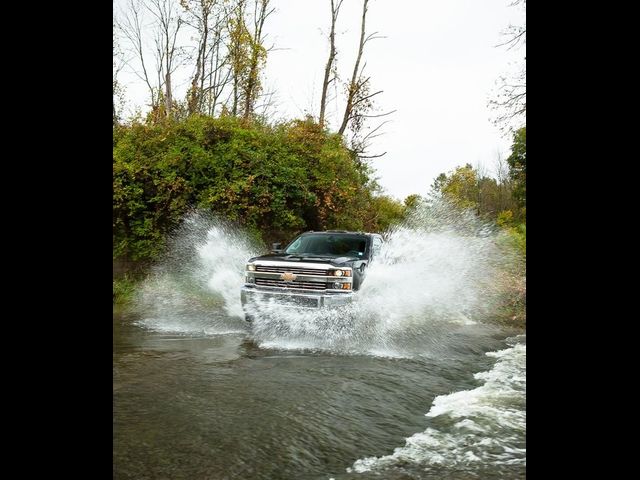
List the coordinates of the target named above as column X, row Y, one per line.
column 471, row 428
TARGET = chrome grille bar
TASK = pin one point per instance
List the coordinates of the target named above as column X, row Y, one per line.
column 294, row 284
column 292, row 269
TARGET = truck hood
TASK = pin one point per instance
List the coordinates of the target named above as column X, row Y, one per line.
column 279, row 257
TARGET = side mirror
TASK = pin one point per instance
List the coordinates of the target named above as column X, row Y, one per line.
column 276, row 247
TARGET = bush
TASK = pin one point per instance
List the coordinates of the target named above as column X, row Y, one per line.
column 278, row 180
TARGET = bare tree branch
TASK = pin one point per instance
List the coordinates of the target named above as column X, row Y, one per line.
column 130, row 25
column 335, row 9
column 510, row 102
column 370, row 134
column 380, row 115
column 353, row 86
column 373, row 156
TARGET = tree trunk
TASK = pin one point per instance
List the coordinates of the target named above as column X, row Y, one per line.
column 354, row 79
column 329, row 66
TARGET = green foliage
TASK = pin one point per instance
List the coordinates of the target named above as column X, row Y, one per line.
column 386, row 212
column 460, row 187
column 123, row 290
column 412, row 201
column 505, row 218
column 518, row 166
column 277, row 180
column 502, row 200
column 518, row 234
column 464, row 188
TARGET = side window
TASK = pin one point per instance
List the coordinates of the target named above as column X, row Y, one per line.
column 377, row 245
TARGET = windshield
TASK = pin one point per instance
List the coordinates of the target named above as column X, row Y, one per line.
column 329, row 245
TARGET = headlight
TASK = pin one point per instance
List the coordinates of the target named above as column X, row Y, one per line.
column 341, row 273
column 251, row 267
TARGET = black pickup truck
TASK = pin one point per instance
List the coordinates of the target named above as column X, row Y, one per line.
column 316, row 269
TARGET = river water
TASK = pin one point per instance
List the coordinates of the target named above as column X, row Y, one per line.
column 408, row 383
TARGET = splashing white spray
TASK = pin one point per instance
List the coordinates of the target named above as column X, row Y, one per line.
column 476, row 427
column 195, row 289
column 435, row 271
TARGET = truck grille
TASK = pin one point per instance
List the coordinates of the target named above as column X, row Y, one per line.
column 298, row 301
column 269, row 282
column 296, row 270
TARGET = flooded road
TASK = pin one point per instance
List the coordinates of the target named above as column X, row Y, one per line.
column 218, row 406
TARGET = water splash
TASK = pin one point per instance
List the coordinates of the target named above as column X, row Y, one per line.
column 436, row 272
column 195, row 288
column 470, row 428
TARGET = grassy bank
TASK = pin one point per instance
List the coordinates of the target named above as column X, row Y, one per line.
column 124, row 290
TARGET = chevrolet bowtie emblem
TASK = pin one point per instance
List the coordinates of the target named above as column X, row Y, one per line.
column 288, row 276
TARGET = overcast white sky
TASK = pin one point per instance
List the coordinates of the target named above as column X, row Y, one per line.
column 437, row 65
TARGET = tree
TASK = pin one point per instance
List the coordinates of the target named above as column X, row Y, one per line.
column 510, row 102
column 247, row 55
column 329, row 67
column 209, row 19
column 219, row 73
column 461, row 187
column 359, row 99
column 165, row 26
column 357, row 82
column 467, row 188
column 505, row 195
column 130, row 25
column 258, row 57
column 199, row 13
column 118, row 90
column 435, row 190
column 412, row 201
column 473, row 188
column 239, row 52
column 518, row 166
column 385, row 212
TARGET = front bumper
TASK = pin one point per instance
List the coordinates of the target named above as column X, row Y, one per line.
column 287, row 297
